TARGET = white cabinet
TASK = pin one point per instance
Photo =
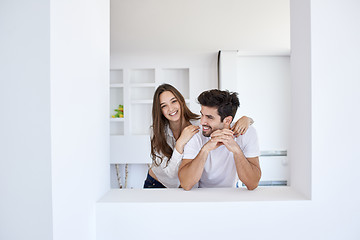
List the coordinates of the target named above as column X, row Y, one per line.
column 134, row 89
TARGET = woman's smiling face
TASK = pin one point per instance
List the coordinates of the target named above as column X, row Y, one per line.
column 170, row 106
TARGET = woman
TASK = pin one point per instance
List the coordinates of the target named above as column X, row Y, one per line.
column 173, row 126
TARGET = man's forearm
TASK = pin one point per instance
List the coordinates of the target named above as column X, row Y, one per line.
column 190, row 173
column 248, row 172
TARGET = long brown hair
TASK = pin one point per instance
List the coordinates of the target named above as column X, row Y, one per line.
column 159, row 147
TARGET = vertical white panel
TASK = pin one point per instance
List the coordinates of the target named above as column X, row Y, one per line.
column 80, row 114
column 263, row 85
column 25, row 152
column 228, row 70
column 300, row 134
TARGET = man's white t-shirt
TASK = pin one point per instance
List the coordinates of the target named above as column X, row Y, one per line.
column 220, row 170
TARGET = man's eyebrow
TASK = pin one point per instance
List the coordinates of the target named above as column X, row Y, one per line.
column 209, row 116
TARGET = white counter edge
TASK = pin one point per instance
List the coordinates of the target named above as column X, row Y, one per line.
column 201, row 195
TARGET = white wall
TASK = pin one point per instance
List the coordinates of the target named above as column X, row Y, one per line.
column 25, row 152
column 79, row 114
column 54, row 117
column 335, row 38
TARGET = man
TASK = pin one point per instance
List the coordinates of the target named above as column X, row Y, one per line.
column 214, row 157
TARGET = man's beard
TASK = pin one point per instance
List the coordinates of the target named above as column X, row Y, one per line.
column 208, row 133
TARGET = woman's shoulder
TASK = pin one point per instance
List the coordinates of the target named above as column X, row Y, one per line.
column 195, row 122
column 167, row 131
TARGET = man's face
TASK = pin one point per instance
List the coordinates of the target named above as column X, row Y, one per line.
column 210, row 120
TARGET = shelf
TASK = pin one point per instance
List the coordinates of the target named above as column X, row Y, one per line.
column 116, row 85
column 117, row 120
column 116, row 128
column 139, row 85
column 147, row 101
column 116, row 99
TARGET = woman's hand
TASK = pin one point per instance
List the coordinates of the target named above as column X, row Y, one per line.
column 185, row 136
column 242, row 125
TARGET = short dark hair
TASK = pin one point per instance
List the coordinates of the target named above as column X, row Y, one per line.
column 226, row 102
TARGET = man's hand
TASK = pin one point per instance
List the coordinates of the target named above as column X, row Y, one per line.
column 212, row 144
column 226, row 137
column 215, row 141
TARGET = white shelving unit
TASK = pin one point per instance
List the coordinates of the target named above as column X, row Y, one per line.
column 116, row 98
column 134, row 89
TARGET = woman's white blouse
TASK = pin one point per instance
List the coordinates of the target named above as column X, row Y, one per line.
column 168, row 175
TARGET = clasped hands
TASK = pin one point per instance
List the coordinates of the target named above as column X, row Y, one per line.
column 223, row 137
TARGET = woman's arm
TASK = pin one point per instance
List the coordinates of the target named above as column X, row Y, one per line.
column 170, row 166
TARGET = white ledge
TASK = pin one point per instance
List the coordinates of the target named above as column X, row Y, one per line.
column 201, row 195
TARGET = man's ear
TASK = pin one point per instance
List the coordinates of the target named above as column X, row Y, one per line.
column 228, row 120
